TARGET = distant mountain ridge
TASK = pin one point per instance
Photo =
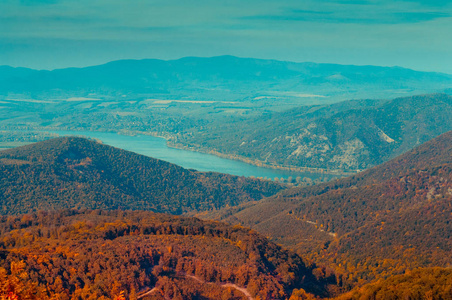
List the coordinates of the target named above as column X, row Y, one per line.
column 399, row 212
column 78, row 173
column 232, row 77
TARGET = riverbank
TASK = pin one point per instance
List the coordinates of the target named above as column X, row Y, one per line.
column 169, row 140
column 259, row 163
column 196, row 148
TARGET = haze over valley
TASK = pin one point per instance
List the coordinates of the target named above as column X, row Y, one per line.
column 322, row 138
column 251, row 150
column 238, row 107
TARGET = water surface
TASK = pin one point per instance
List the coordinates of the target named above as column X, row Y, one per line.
column 157, row 148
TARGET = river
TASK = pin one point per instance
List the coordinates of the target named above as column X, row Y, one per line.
column 156, row 147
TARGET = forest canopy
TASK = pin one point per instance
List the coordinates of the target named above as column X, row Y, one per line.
column 78, row 173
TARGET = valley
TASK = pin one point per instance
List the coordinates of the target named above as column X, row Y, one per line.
column 225, row 178
column 399, row 212
column 225, row 150
column 331, row 135
column 157, row 147
column 344, row 137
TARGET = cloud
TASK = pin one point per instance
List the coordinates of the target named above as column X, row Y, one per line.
column 432, row 3
column 355, row 16
column 416, row 17
column 349, row 2
column 54, row 18
column 38, row 2
column 426, row 3
column 379, row 31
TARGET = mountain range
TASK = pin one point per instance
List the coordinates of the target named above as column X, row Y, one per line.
column 79, row 219
column 363, row 231
column 223, row 77
column 281, row 114
column 383, row 221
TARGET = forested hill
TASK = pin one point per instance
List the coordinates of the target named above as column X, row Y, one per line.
column 399, row 212
column 79, row 173
column 142, row 255
column 424, row 283
column 351, row 135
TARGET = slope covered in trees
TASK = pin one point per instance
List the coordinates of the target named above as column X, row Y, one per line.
column 351, row 135
column 427, row 283
column 79, row 173
column 383, row 221
column 96, row 254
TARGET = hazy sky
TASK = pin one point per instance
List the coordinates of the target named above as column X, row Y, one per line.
column 49, row 34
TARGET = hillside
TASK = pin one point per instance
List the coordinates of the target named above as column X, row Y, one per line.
column 348, row 136
column 399, row 212
column 79, row 173
column 142, row 255
column 261, row 111
column 427, row 283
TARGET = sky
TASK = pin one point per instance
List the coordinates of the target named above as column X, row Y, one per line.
column 49, row 34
